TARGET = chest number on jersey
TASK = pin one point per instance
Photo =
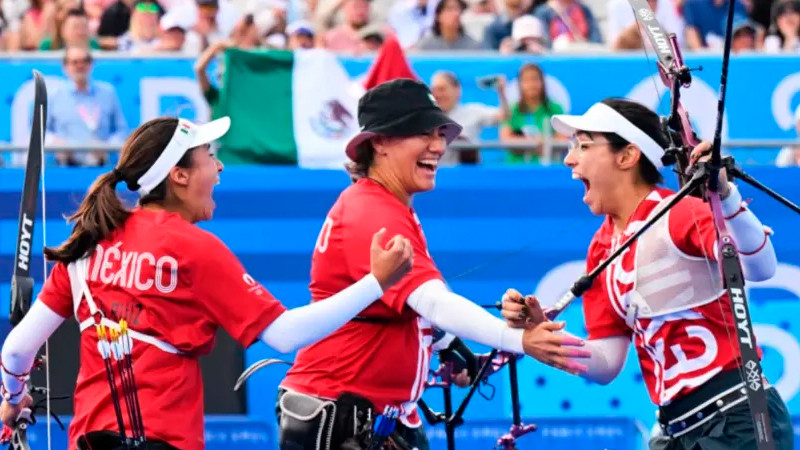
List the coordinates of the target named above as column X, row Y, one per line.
column 682, row 363
column 324, row 235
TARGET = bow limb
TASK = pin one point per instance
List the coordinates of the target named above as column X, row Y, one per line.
column 22, row 282
column 675, row 75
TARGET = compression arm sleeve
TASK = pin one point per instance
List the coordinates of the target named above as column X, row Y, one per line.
column 22, row 343
column 752, row 238
column 301, row 326
column 463, row 318
column 607, row 360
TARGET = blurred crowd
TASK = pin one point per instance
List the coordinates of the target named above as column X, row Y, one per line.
column 87, row 111
column 359, row 26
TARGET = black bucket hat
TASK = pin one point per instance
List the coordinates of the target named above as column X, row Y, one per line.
column 400, row 107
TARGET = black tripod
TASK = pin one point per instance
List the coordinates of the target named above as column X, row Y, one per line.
column 490, row 364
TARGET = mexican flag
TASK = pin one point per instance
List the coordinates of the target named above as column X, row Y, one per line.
column 296, row 108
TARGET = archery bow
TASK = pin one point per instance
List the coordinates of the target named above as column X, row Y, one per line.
column 21, row 281
column 702, row 181
column 733, row 278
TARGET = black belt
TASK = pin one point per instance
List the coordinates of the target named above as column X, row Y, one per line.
column 718, row 394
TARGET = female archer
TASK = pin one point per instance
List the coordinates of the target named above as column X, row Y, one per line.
column 665, row 293
column 183, row 281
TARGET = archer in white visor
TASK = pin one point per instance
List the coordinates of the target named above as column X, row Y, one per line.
column 175, row 285
column 665, row 294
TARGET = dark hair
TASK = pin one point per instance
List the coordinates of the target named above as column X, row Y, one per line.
column 647, row 121
column 102, row 210
column 524, row 107
column 437, row 30
column 365, row 155
column 449, row 76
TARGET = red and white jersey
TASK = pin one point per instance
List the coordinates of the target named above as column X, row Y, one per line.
column 680, row 350
column 172, row 281
column 386, row 357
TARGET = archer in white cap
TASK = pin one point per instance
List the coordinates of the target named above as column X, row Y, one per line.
column 665, row 293
column 174, row 283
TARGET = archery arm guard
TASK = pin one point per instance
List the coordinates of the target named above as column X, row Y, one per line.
column 461, row 357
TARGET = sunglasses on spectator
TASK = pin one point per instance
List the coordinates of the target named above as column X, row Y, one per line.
column 75, row 62
column 147, row 8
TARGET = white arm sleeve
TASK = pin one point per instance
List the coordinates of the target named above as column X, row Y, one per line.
column 758, row 263
column 24, row 341
column 607, row 360
column 301, row 326
column 459, row 316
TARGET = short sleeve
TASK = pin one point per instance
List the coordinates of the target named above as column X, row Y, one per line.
column 692, row 229
column 689, row 14
column 57, row 292
column 396, row 221
column 602, row 321
column 233, row 299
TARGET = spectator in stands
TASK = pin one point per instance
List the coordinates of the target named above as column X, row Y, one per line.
column 11, row 12
column 705, row 21
column 530, row 117
column 329, row 14
column 527, row 36
column 447, row 33
column 345, row 38
column 784, row 31
column 84, row 111
column 300, row 34
column 372, row 37
column 568, row 22
column 176, row 36
column 500, row 28
column 745, row 35
column 473, row 117
column 411, row 20
column 790, row 156
column 213, row 20
column 115, row 22
column 94, row 12
column 622, row 29
column 143, row 34
column 35, row 22
column 477, row 17
column 71, row 31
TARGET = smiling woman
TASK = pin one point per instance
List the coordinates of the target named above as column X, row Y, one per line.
column 378, row 362
column 174, row 283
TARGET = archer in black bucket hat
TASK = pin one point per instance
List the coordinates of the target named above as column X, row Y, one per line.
column 398, row 108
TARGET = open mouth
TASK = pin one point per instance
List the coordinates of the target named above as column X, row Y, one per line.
column 585, row 182
column 428, row 165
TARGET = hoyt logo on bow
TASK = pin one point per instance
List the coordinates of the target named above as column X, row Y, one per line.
column 22, row 281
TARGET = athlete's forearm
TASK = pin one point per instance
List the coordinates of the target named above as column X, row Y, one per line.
column 463, row 318
column 607, row 358
column 22, row 343
column 755, row 247
column 301, row 326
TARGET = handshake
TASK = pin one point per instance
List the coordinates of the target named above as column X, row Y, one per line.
column 543, row 339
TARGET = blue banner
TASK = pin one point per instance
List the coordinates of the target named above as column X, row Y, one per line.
column 762, row 90
column 488, row 229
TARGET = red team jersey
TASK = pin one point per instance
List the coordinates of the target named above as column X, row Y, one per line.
column 178, row 283
column 679, row 351
column 385, row 358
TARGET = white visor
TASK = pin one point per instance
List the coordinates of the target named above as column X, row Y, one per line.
column 602, row 118
column 187, row 135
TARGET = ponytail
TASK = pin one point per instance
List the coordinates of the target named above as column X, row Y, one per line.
column 100, row 213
